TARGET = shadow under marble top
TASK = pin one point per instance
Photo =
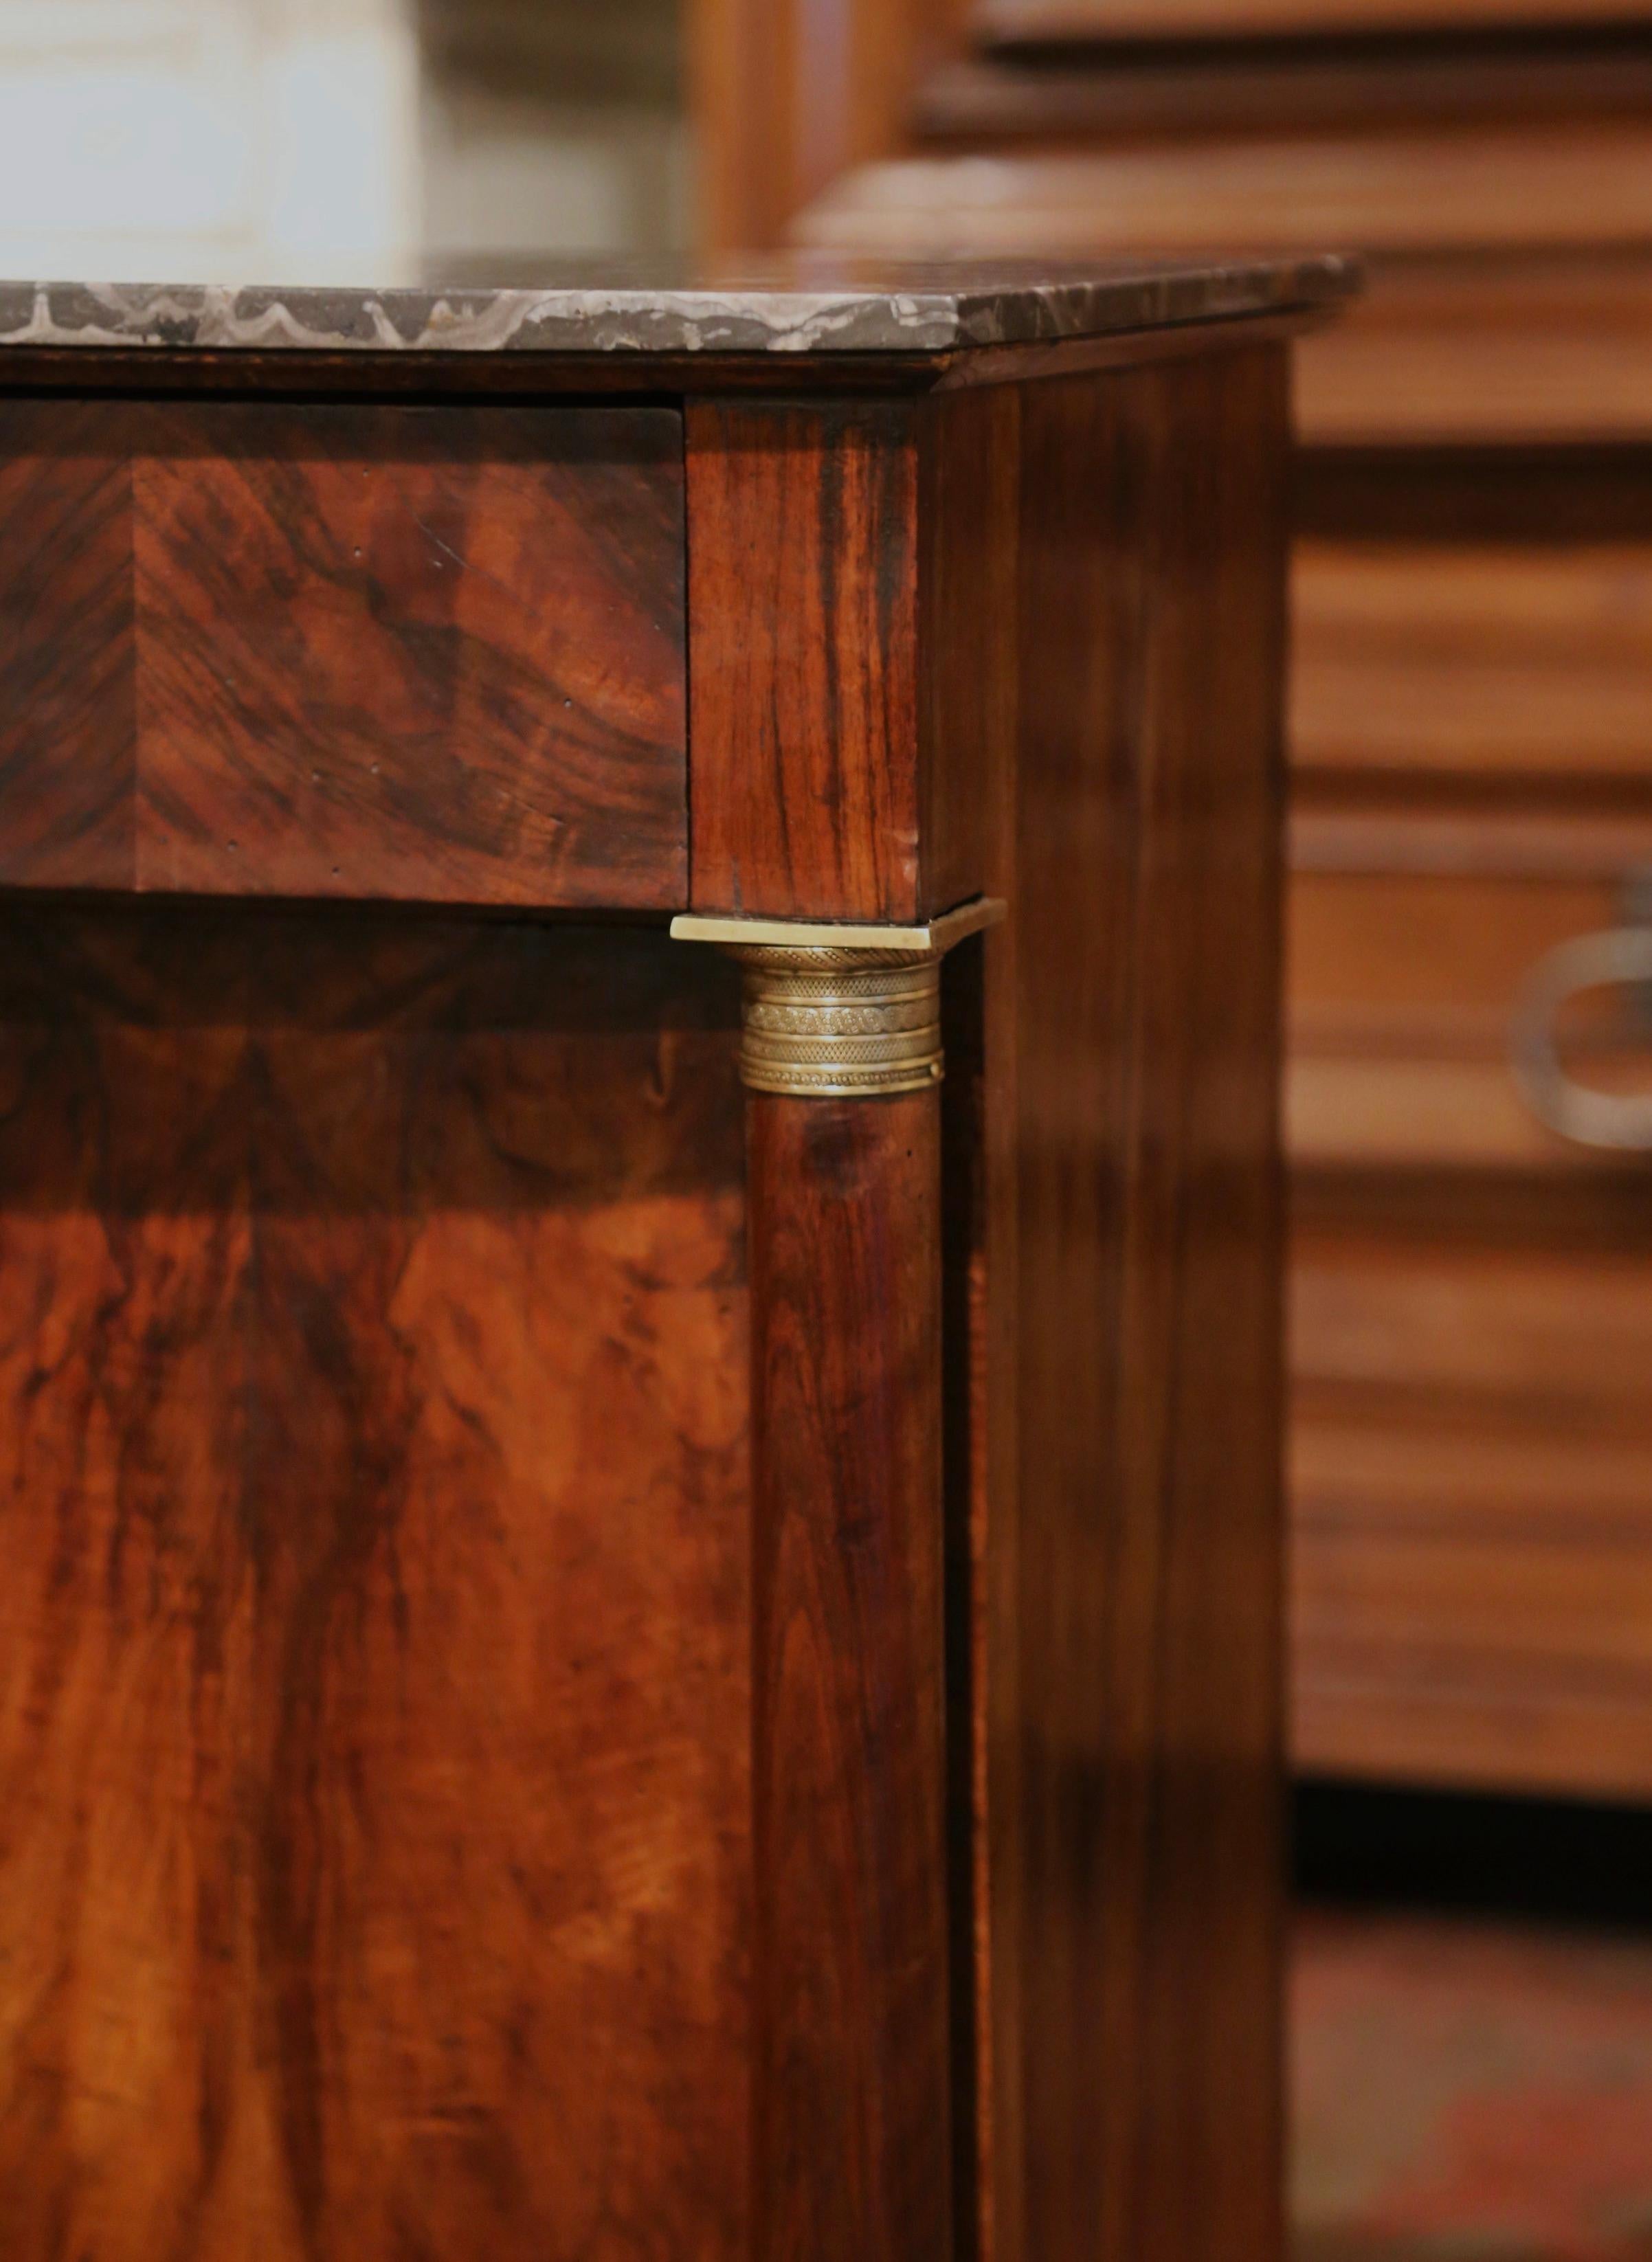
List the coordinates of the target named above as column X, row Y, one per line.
column 804, row 303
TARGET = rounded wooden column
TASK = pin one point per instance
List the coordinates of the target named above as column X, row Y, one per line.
column 851, row 2078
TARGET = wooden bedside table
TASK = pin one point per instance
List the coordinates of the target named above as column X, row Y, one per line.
column 589, row 1667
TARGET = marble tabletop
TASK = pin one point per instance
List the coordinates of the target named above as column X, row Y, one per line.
column 805, row 303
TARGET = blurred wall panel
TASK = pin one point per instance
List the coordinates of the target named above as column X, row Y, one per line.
column 207, row 140
column 554, row 126
column 275, row 141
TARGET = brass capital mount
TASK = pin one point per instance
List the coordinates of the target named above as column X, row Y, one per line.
column 838, row 1012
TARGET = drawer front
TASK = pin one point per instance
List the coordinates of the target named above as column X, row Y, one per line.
column 1466, row 660
column 1475, row 1610
column 1498, row 345
column 1471, row 1449
column 1402, row 989
column 355, row 651
column 1471, row 1339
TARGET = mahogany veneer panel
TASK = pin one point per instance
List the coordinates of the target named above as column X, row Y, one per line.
column 348, row 651
column 851, row 1731
column 525, row 1730
column 1122, row 1232
column 374, row 1636
column 67, row 653
column 864, row 661
column 805, row 691
column 1086, row 650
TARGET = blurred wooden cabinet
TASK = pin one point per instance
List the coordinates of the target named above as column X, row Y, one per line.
column 1472, row 726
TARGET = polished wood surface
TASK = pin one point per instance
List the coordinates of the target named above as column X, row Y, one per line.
column 68, row 646
column 374, row 1668
column 593, row 1667
column 1183, row 1649
column 804, row 666
column 851, row 2066
column 1121, row 1640
column 358, row 651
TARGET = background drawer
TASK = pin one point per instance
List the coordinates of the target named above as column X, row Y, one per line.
column 1471, row 1339
column 1471, row 1485
column 1477, row 346
column 1401, row 990
column 1473, row 617
column 1468, row 658
column 355, row 651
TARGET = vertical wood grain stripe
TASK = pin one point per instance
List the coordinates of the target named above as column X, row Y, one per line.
column 851, row 2075
column 804, row 706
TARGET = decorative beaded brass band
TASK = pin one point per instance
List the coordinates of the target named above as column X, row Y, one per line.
column 840, row 1011
column 850, row 1024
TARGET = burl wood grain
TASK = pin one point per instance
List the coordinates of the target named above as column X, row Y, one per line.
column 374, row 1833
column 68, row 655
column 850, row 2067
column 352, row 651
column 802, row 550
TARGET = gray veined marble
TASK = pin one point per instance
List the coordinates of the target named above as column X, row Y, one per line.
column 801, row 305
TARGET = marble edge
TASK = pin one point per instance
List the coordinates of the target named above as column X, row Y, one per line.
column 929, row 318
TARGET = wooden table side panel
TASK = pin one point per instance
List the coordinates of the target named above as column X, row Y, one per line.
column 1147, row 1561
column 802, row 544
column 373, row 1647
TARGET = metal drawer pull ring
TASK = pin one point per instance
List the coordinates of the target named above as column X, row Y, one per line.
column 1620, row 958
